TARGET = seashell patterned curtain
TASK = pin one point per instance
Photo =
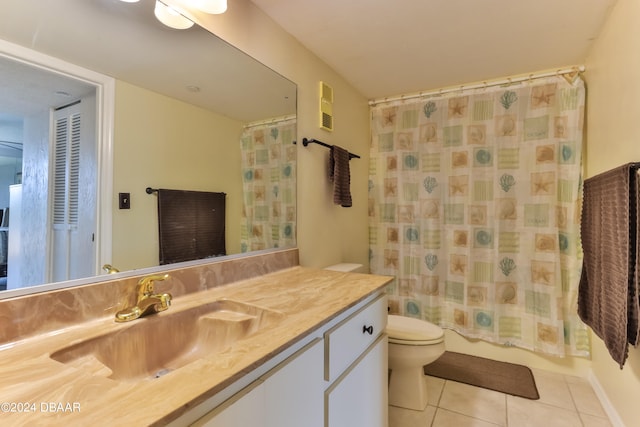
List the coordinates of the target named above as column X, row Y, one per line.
column 474, row 208
column 268, row 186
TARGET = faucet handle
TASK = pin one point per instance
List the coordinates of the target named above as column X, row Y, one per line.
column 145, row 285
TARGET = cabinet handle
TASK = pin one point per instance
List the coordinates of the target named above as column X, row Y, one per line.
column 366, row 329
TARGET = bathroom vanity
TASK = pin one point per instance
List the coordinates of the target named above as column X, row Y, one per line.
column 292, row 347
column 330, row 381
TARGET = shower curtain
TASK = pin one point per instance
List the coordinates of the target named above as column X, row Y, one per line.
column 269, row 186
column 474, row 208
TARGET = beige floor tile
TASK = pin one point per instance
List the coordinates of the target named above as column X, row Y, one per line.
column 532, row 413
column 399, row 417
column 446, row 418
column 591, row 421
column 486, row 405
column 586, row 400
column 454, row 404
column 434, row 389
column 553, row 389
column 572, row 379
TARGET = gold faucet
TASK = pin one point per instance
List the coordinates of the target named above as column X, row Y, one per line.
column 148, row 301
column 110, row 269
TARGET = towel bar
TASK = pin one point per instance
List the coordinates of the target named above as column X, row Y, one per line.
column 306, row 142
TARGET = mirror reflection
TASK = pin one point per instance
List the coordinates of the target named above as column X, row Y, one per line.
column 190, row 113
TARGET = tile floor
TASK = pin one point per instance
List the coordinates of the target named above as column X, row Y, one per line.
column 565, row 401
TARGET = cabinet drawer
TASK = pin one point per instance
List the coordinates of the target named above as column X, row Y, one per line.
column 346, row 341
column 358, row 397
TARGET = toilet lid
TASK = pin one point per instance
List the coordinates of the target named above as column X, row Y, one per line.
column 406, row 329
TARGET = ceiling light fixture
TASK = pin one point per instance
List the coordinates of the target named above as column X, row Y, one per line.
column 172, row 12
column 171, row 17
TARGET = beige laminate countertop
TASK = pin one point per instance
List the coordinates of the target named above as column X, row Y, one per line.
column 37, row 390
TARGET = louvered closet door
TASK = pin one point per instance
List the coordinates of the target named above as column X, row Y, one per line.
column 73, row 193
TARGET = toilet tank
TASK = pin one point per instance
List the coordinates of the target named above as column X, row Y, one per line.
column 347, row 268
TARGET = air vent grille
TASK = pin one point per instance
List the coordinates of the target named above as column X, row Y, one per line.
column 326, row 106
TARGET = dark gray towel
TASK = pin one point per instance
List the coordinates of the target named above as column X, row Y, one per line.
column 608, row 292
column 340, row 175
column 191, row 225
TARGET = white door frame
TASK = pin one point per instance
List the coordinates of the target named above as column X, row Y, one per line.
column 105, row 97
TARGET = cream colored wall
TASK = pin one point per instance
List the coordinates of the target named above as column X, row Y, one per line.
column 164, row 143
column 613, row 139
column 327, row 234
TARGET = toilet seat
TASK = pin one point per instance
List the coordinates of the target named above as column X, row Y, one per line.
column 408, row 331
column 416, row 343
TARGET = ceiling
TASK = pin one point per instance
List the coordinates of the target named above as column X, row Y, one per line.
column 125, row 41
column 386, row 48
column 24, row 89
column 383, row 48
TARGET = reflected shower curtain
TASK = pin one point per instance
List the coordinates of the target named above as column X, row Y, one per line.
column 474, row 208
column 269, row 186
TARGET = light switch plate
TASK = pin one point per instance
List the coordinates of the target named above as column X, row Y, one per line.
column 124, row 200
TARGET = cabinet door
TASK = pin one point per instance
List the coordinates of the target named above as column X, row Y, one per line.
column 244, row 409
column 294, row 391
column 349, row 339
column 359, row 396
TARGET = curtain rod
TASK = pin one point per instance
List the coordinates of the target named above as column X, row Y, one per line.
column 271, row 121
column 569, row 73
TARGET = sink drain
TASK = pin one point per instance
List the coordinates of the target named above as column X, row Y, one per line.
column 162, row 373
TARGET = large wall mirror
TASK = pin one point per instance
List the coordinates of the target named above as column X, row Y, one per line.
column 184, row 110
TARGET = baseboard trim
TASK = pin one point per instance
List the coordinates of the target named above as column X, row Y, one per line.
column 604, row 400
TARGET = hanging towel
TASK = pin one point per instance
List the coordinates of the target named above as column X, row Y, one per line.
column 608, row 292
column 340, row 175
column 191, row 225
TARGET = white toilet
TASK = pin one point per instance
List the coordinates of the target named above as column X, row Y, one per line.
column 413, row 343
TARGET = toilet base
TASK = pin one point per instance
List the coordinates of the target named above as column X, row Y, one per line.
column 408, row 388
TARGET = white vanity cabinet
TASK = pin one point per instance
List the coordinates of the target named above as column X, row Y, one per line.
column 245, row 408
column 359, row 397
column 356, row 369
column 286, row 396
column 335, row 377
column 294, row 390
